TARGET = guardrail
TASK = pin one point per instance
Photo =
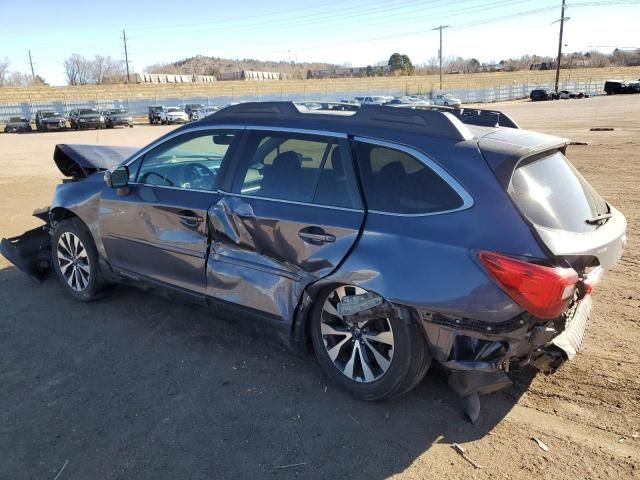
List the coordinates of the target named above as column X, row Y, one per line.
column 138, row 106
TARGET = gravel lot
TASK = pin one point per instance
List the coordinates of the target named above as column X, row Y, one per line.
column 139, row 387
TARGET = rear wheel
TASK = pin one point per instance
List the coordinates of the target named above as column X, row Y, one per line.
column 75, row 260
column 376, row 359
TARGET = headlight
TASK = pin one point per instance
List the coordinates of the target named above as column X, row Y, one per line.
column 83, row 120
column 102, row 119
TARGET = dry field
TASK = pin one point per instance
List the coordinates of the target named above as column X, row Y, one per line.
column 415, row 84
column 135, row 386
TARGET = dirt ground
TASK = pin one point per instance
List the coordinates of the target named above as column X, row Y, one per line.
column 137, row 387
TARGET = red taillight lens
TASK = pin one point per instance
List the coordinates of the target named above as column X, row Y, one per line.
column 545, row 292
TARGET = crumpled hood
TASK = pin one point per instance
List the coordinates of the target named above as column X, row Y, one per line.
column 80, row 161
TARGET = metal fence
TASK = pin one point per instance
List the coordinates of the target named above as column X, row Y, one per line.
column 139, row 106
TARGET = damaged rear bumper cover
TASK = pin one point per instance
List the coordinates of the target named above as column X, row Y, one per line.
column 466, row 345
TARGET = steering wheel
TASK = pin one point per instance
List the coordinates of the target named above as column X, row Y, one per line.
column 197, row 176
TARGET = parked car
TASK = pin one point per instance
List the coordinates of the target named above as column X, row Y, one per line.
column 17, row 124
column 634, row 87
column 155, row 114
column 408, row 101
column 47, row 120
column 446, row 100
column 372, row 100
column 386, row 238
column 541, row 94
column 171, row 115
column 118, row 117
column 84, row 118
column 210, row 110
column 612, row 87
column 193, row 108
column 567, row 94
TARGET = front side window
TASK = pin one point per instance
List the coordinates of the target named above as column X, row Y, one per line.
column 396, row 182
column 297, row 167
column 191, row 161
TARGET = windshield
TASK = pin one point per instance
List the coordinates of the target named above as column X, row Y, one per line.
column 50, row 114
column 552, row 194
column 117, row 111
column 16, row 119
column 173, row 109
column 89, row 112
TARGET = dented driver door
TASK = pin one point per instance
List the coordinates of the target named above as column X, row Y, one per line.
column 292, row 213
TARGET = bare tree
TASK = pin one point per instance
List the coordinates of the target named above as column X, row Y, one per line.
column 104, row 69
column 77, row 70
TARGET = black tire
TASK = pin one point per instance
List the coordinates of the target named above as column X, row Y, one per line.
column 84, row 290
column 409, row 363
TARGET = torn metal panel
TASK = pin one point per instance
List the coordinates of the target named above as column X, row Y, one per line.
column 263, row 255
column 30, row 252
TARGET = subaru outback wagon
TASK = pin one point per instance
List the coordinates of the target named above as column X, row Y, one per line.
column 385, row 239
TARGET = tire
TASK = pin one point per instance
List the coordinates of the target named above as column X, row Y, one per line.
column 76, row 261
column 399, row 362
column 446, row 104
column 131, row 126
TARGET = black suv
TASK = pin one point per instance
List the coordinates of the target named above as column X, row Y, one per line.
column 155, row 114
column 612, row 87
column 86, row 118
column 541, row 94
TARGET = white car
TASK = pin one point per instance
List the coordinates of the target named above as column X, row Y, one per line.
column 373, row 100
column 173, row 115
column 446, row 100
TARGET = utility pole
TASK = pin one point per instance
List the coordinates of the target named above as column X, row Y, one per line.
column 126, row 54
column 441, row 27
column 562, row 19
column 33, row 75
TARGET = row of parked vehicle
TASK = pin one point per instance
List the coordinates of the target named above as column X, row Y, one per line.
column 611, row 87
column 192, row 112
column 440, row 99
column 85, row 118
column 78, row 119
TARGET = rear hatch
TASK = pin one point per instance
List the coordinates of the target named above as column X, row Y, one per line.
column 568, row 216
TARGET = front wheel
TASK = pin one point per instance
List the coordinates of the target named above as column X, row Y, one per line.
column 380, row 357
column 75, row 260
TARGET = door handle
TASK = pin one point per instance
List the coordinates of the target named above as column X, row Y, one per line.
column 316, row 235
column 189, row 219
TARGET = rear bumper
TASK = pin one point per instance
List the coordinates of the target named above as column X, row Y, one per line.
column 465, row 345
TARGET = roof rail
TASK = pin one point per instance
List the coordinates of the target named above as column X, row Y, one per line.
column 431, row 122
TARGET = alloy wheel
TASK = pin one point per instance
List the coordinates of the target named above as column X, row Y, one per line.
column 73, row 261
column 360, row 350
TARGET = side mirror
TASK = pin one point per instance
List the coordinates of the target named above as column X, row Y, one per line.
column 117, row 177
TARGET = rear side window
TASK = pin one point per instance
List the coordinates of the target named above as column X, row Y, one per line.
column 552, row 194
column 298, row 168
column 396, row 182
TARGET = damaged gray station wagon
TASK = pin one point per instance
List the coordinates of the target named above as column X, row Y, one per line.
column 385, row 238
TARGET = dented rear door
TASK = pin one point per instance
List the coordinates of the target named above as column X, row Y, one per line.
column 290, row 215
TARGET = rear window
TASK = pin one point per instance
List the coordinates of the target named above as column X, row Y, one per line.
column 552, row 194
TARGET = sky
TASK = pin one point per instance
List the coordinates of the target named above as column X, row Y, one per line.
column 356, row 32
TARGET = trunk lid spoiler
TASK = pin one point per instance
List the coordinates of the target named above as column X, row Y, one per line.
column 80, row 161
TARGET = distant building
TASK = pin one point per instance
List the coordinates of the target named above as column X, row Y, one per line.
column 171, row 78
column 249, row 75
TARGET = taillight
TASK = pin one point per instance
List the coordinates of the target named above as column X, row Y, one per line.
column 545, row 292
